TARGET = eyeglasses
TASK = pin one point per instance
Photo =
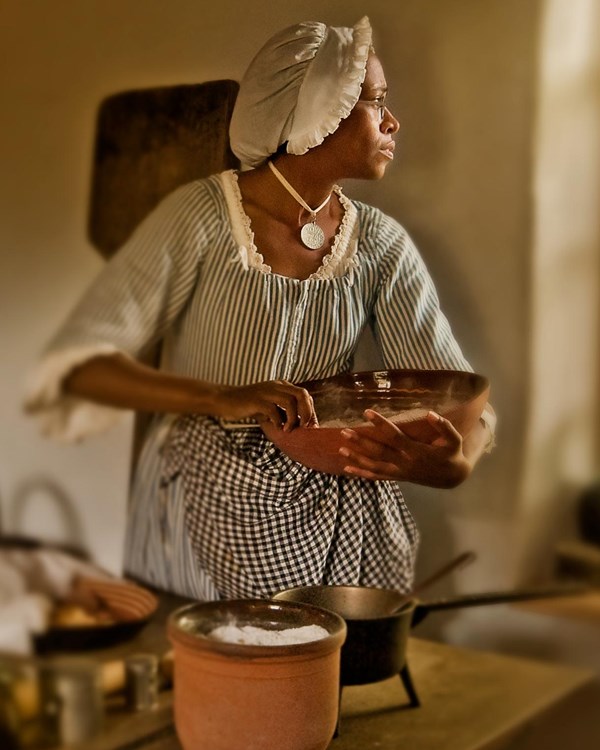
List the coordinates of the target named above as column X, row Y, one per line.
column 379, row 104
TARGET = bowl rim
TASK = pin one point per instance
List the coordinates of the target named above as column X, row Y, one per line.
column 79, row 637
column 383, row 371
column 482, row 382
column 246, row 608
column 408, row 608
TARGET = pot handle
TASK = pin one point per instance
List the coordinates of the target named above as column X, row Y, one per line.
column 502, row 597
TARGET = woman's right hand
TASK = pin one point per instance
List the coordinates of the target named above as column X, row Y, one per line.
column 283, row 404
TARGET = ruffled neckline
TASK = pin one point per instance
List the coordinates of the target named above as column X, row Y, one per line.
column 335, row 263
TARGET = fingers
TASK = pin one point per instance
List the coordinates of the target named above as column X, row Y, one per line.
column 298, row 406
column 363, row 444
column 288, row 408
column 390, row 433
column 287, row 405
column 445, row 429
column 305, row 408
column 371, row 459
column 385, row 452
column 267, row 411
column 387, row 432
column 360, row 465
column 386, row 435
column 281, row 403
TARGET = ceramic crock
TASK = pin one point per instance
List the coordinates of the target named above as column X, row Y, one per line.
column 232, row 696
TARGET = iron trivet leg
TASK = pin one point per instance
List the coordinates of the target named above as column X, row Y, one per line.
column 414, row 701
column 339, row 715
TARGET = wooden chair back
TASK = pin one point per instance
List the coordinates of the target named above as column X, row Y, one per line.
column 149, row 142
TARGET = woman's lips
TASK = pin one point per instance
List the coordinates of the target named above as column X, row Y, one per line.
column 388, row 150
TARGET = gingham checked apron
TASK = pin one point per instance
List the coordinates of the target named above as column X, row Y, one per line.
column 260, row 522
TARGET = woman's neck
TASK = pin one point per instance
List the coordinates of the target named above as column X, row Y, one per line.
column 308, row 180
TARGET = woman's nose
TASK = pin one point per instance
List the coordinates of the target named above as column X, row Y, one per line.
column 389, row 123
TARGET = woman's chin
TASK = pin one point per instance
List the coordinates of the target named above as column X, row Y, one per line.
column 379, row 172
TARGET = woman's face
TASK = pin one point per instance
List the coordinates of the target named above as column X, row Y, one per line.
column 363, row 144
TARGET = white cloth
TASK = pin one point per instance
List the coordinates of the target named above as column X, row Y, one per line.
column 301, row 84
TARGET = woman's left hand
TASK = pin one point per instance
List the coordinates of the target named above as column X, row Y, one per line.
column 391, row 454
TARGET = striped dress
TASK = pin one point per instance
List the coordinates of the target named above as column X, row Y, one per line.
column 220, row 512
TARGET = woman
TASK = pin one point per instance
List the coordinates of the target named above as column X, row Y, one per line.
column 257, row 281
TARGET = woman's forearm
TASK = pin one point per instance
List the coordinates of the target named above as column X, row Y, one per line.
column 118, row 381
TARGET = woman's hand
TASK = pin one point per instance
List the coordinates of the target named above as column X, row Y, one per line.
column 277, row 401
column 391, row 454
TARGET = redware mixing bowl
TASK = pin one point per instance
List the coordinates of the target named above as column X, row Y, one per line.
column 404, row 396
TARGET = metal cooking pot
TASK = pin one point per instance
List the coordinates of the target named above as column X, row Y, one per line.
column 375, row 647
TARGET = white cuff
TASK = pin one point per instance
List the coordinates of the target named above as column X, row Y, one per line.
column 62, row 417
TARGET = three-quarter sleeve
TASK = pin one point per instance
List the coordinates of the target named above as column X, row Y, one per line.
column 130, row 305
column 410, row 328
column 408, row 324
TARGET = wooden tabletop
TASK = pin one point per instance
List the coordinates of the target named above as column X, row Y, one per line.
column 470, row 700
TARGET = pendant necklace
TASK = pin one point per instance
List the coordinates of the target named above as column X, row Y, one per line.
column 311, row 234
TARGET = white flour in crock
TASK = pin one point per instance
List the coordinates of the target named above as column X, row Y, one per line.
column 250, row 635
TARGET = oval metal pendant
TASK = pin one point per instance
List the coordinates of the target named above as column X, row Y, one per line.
column 312, row 236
